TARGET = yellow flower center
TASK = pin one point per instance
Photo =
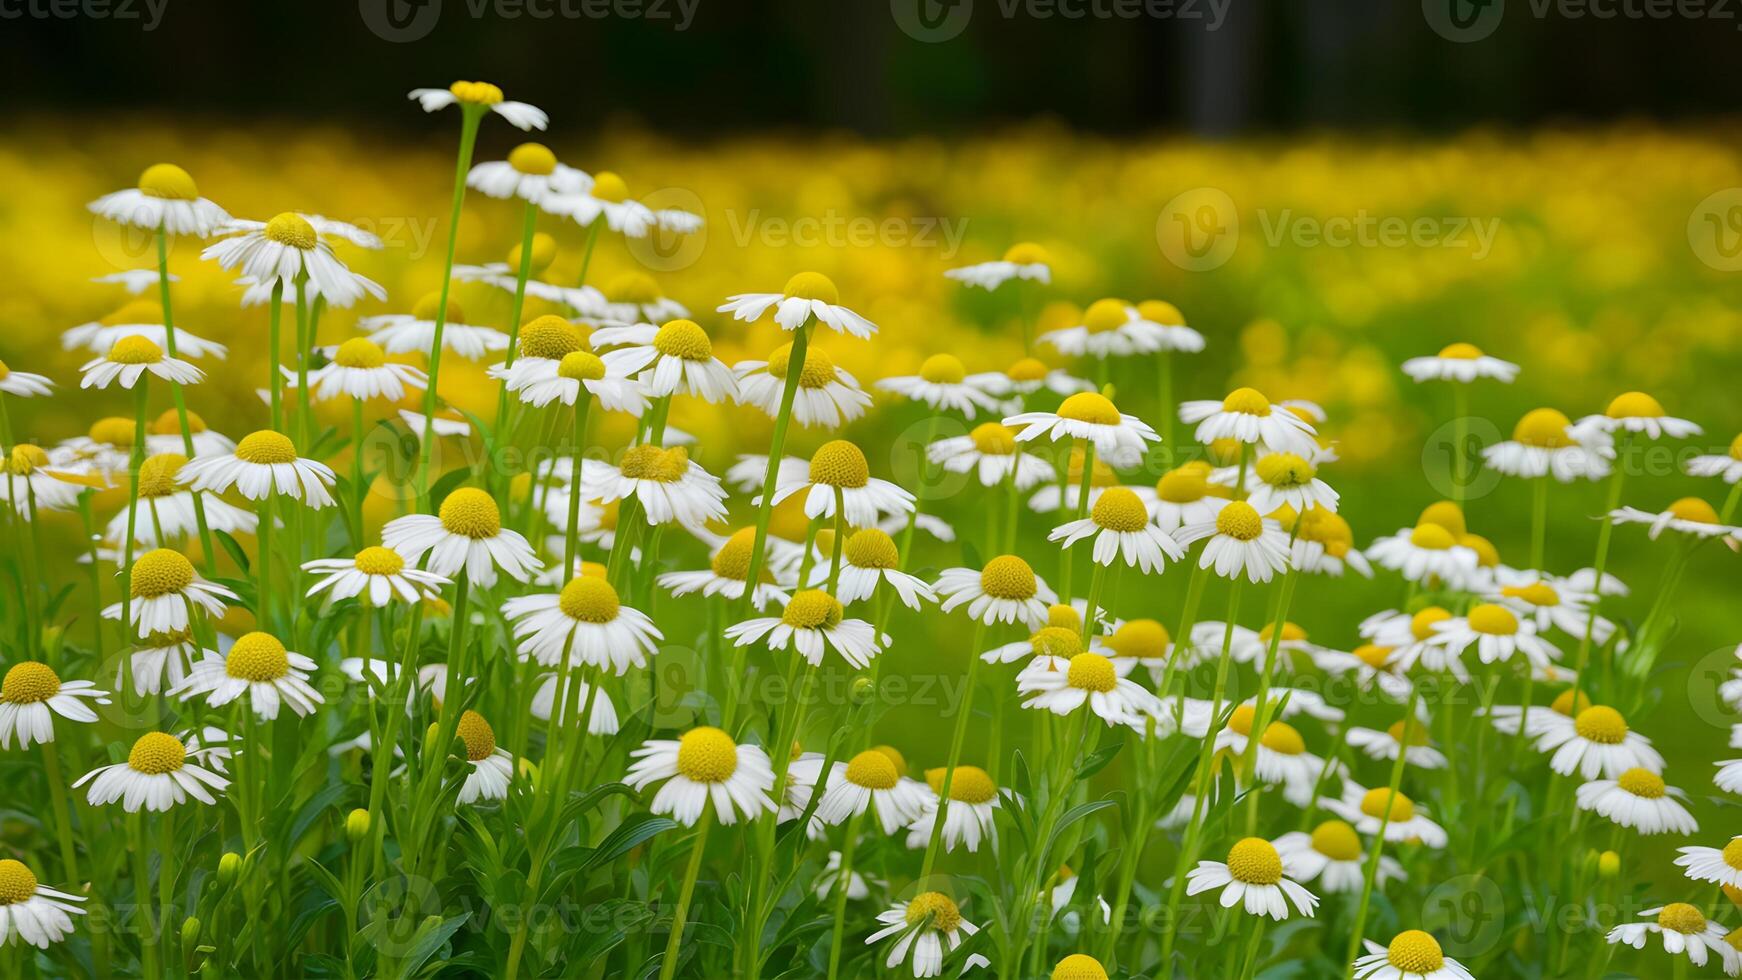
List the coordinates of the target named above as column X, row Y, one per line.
column 476, row 93
column 1105, row 315
column 934, row 909
column 135, row 350
column 1445, row 514
column 589, row 599
column 479, row 737
column 685, row 339
column 543, row 254
column 430, row 304
column 257, row 657
column 160, row 572
column 1373, row 804
column 1008, row 577
column 648, row 462
column 112, row 431
column 17, row 883
column 1057, row 641
column 1290, row 632
column 633, row 287
column 993, row 439
column 292, row 229
column 1421, row 625
column 1240, row 721
column 1461, row 352
column 1118, row 509
column 943, row 369
column 359, row 352
column 157, row 474
column 1601, row 724
column 1092, row 672
column 818, row 370
column 812, row 609
column 1090, row 407
column 1682, row 917
column 1414, row 951
column 1564, row 702
column 972, row 785
column 1407, row 732
column 549, row 337
column 609, row 186
column 1694, row 510
column 1337, row 840
column 1246, row 401
column 134, row 313
column 1065, row 616
column 894, row 756
column 471, row 513
column 266, row 448
column 28, row 682
column 1544, row 428
column 706, row 755
column 1736, row 447
column 1733, row 853
column 1027, row 369
column 156, row 753
column 1078, row 966
column 1282, row 737
column 1373, row 655
column 1494, row 620
column 1286, row 470
column 1143, row 638
column 1644, row 784
column 1487, row 555
column 1164, row 313
column 1239, row 521
column 581, row 365
column 1254, row 861
column 1634, row 405
column 1026, row 253
column 732, row 561
column 532, row 158
column 1432, row 537
column 1536, row 593
column 840, row 464
column 813, row 285
column 872, row 770
column 871, row 548
column 168, row 181
column 376, row 560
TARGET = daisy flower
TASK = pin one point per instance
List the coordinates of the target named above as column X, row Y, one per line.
column 1689, row 515
column 602, row 720
column 827, row 395
column 165, row 198
column 870, row 780
column 259, row 667
column 941, row 384
column 1325, row 544
column 531, row 173
column 104, row 451
column 414, row 332
column 163, row 588
column 132, row 357
column 1552, row 603
column 1164, row 327
column 1507, row 718
column 1638, row 798
column 492, row 767
column 32, row 694
column 1091, row 417
column 1144, row 642
column 1120, row 525
column 506, row 277
column 1026, row 376
column 1369, row 664
column 1110, row 328
column 1412, row 955
column 1024, row 260
column 160, row 660
column 1049, row 500
column 1050, row 647
column 607, row 194
column 1409, row 737
column 676, row 357
column 1366, row 808
column 702, row 765
column 806, row 295
column 727, row 571
column 858, row 885
column 1462, row 363
column 466, row 533
column 285, row 250
column 991, row 453
column 33, row 912
column 1005, row 590
column 1726, row 467
column 1543, row 444
column 1251, row 646
column 1684, row 930
column 813, row 622
column 869, row 557
column 262, row 464
column 446, row 423
column 1415, row 639
column 1334, row 856
column 1252, row 878
column 134, row 281
column 1496, row 633
column 163, row 435
column 1183, row 496
column 1287, row 480
column 586, row 623
column 634, row 296
column 930, row 926
column 839, row 469
column 32, row 483
column 1249, row 418
column 669, row 485
column 1281, row 758
column 476, row 96
column 1240, row 542
column 160, row 773
column 376, row 576
column 1092, row 679
column 1721, row 866
column 1424, row 553
column 1637, row 413
column 1595, row 742
column 539, row 385
column 22, row 384
column 360, row 370
column 968, row 819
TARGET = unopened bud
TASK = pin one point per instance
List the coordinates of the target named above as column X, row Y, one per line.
column 229, row 866
column 190, row 936
column 357, row 826
column 862, row 690
column 1609, row 864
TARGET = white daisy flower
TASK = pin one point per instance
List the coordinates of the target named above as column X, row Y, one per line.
column 1551, row 603
column 32, row 694
column 262, row 464
column 1508, row 718
column 481, row 94
column 606, row 194
column 540, row 382
column 869, row 557
column 586, row 623
column 1721, row 866
column 1426, row 552
column 602, row 720
column 1369, row 665
column 1119, row 522
column 360, row 370
column 22, row 384
column 1637, row 413
column 1050, row 647
column 1026, row 376
column 991, row 453
column 930, row 926
column 1182, row 496
column 1088, row 678
column 132, row 357
column 803, row 772
column 1409, row 737
column 586, row 300
column 1167, row 325
column 1092, row 417
column 134, row 281
column 1462, row 363
column 164, row 588
column 1281, row 758
column 1024, row 260
column 467, row 533
column 160, row 773
column 677, row 357
column 33, row 484
column 1543, row 443
column 1689, row 515
column 167, row 198
column 826, row 396
column 1412, row 955
column 668, row 484
column 703, row 765
column 1253, row 878
column 812, row 622
column 442, row 425
column 839, row 469
column 1496, row 633
column 137, row 318
column 1282, row 480
column 531, row 173
column 1005, row 590
column 968, row 820
column 1638, row 799
column 1249, row 418
column 1415, row 639
column 1365, row 808
column 376, row 576
column 1595, row 742
column 1289, row 702
column 160, row 661
column 492, row 767
column 1332, row 855
column 858, row 885
column 1240, row 543
column 1110, row 328
column 1685, row 931
column 635, row 296
column 1726, row 467
column 163, row 435
column 808, row 294
column 942, row 384
column 728, row 568
column 414, row 332
column 870, row 780
column 286, row 249
column 31, row 911
column 258, row 667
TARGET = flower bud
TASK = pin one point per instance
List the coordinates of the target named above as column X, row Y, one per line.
column 190, row 937
column 1608, row 864
column 357, row 826
column 229, row 866
column 862, row 690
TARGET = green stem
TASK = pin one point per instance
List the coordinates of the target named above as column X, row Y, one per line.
column 1371, row 872
column 181, row 409
column 843, row 884
column 571, row 537
column 275, row 380
column 63, row 815
column 1084, row 484
column 1538, row 521
column 142, row 898
column 955, row 756
column 1460, row 434
column 135, row 461
column 668, row 966
column 529, row 222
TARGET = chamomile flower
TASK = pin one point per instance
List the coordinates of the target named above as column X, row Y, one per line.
column 1726, row 467
column 531, row 173
column 31, row 911
column 492, row 767
column 1324, row 544
column 727, row 572
column 941, row 384
column 1638, row 799
column 1507, row 718
column 104, row 452
column 1496, row 633
column 667, row 483
column 870, row 780
column 33, row 484
column 1721, row 866
column 990, row 452
column 466, row 533
column 375, row 576
column 1426, row 553
column 132, row 357
column 1091, row 679
column 360, row 370
column 1049, row 499
column 1005, row 590
column 262, row 464
column 163, row 435
column 1685, row 931
column 166, row 198
column 134, row 281
column 160, row 773
column 165, row 511
column 1251, row 646
column 137, row 318
column 969, row 818
column 1637, row 413
column 606, row 194
column 1026, row 376
column 1024, row 260
column 576, row 371
column 1287, row 480
column 930, row 926
column 813, row 622
column 1119, row 522
column 827, row 395
column 1249, row 418
column 1110, row 328
column 1144, row 642
column 1409, row 737
column 1370, row 666
column 1366, row 808
column 1050, row 647
column 1552, row 603
column 1415, row 639
column 1164, row 327
column 285, row 250
column 869, row 557
column 1543, row 443
column 446, row 423
column 164, row 588
column 1595, row 742
column 1333, row 856
column 1281, row 758
column 1092, row 417
column 1462, row 363
column 468, row 94
column 1252, row 878
column 634, row 296
column 32, row 694
column 1689, row 515
column 22, row 384
column 858, row 885
column 602, row 720
column 506, row 276
column 1412, row 955
column 675, row 358
column 807, row 294
column 414, row 332
column 701, row 766
column 839, row 469
column 1183, row 496
column 586, row 622
column 1240, row 543
column 258, row 667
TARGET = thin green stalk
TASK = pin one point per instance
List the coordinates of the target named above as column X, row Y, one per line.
column 529, row 222
column 88, row 521
column 1084, row 484
column 931, row 434
column 1538, row 521
column 1164, row 395
column 1372, row 870
column 571, row 536
column 668, row 966
column 1460, row 434
column 1604, row 531
column 1182, row 636
column 955, row 756
column 63, row 815
column 843, row 884
column 142, row 897
column 1261, row 711
column 840, row 540
column 275, row 380
column 137, row 458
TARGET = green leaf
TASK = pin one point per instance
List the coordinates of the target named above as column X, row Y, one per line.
column 631, row 832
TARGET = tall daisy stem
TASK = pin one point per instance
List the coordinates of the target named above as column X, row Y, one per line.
column 1261, row 711
column 528, row 223
column 1371, row 872
column 63, row 814
column 843, row 884
column 1460, row 435
column 1084, row 484
column 1605, row 531
column 274, row 379
column 142, row 898
column 668, row 965
column 134, row 462
column 966, row 709
column 571, row 544
column 181, row 408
